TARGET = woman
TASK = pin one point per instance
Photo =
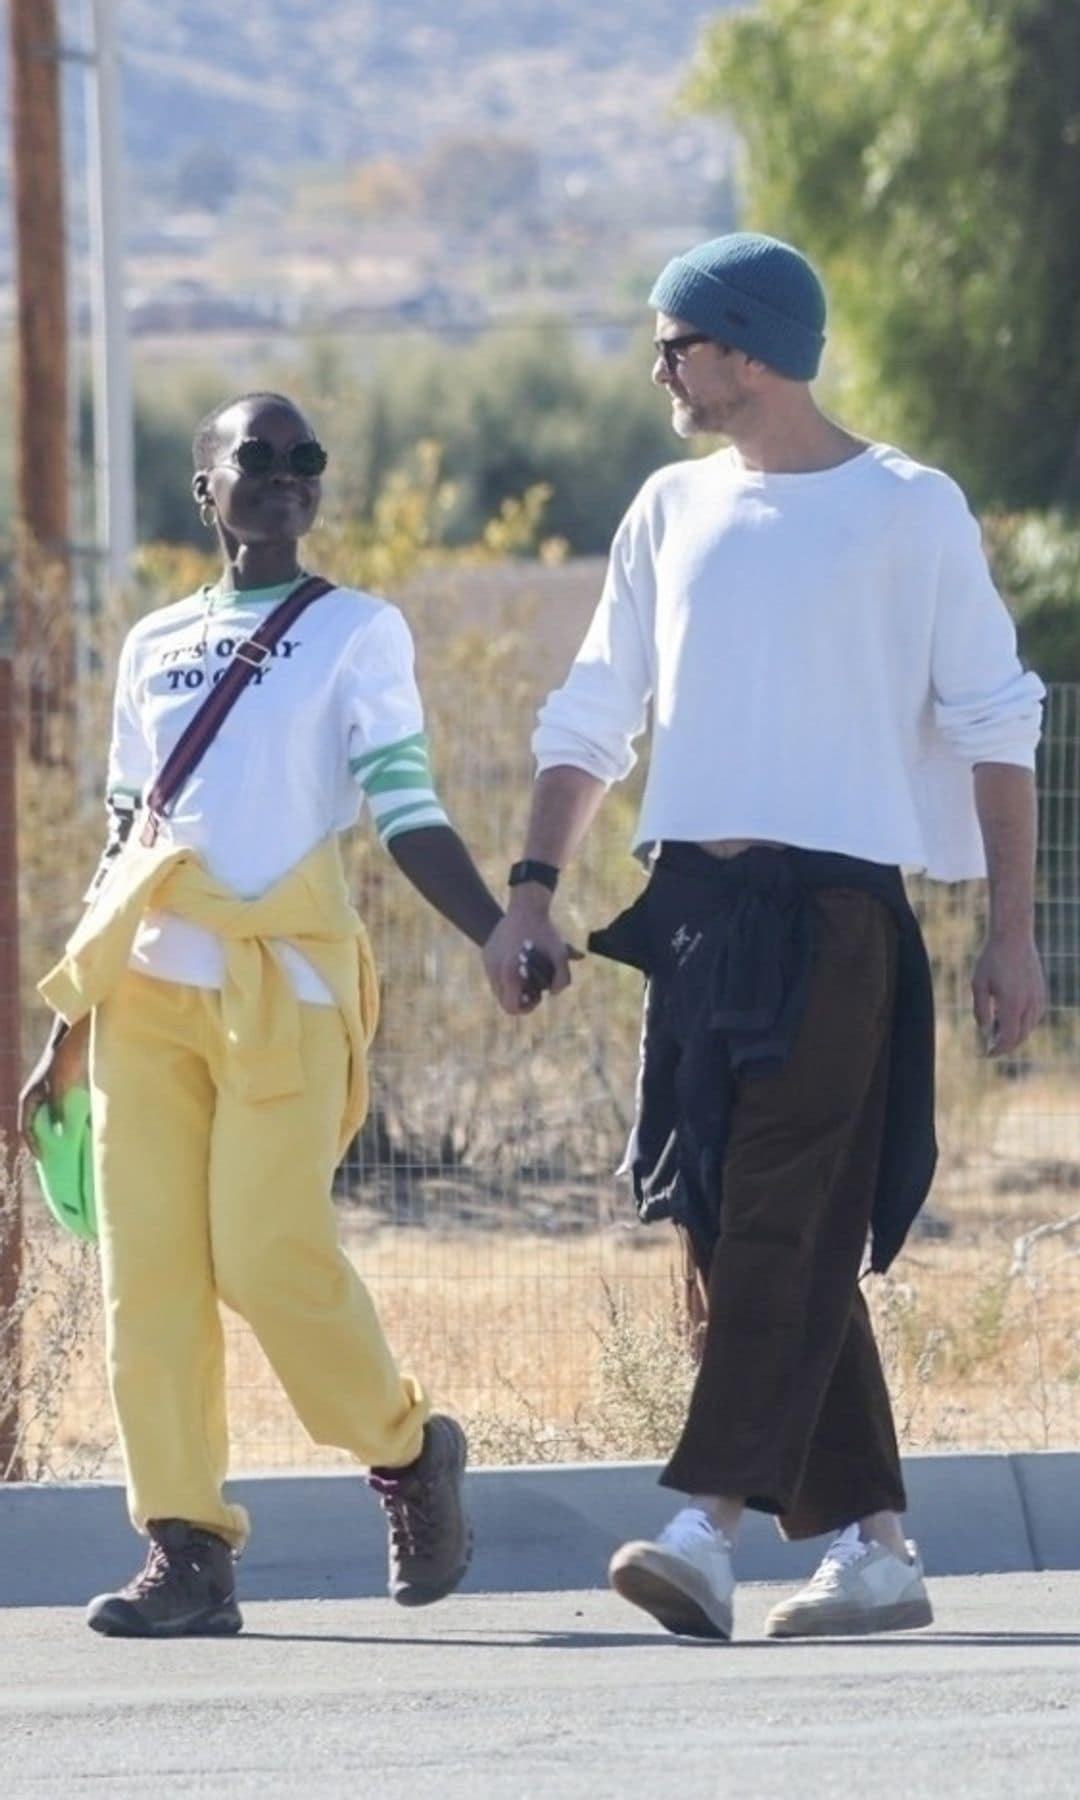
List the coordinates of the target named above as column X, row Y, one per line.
column 226, row 989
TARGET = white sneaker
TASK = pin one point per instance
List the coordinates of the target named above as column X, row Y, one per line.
column 857, row 1587
column 684, row 1579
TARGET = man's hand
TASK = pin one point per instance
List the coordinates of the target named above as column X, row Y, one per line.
column 1008, row 991
column 525, row 955
column 60, row 1066
column 1008, row 987
column 517, row 950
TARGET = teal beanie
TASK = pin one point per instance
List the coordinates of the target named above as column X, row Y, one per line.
column 752, row 292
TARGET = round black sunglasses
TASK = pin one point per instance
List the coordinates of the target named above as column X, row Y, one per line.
column 257, row 456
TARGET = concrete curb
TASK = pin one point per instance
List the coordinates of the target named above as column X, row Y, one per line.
column 538, row 1529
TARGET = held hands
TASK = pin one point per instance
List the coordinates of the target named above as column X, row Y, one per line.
column 524, row 957
column 1008, row 991
column 60, row 1066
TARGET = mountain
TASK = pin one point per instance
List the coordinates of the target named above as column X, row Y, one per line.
column 351, row 79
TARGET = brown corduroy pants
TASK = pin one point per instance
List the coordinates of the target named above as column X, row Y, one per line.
column 790, row 1411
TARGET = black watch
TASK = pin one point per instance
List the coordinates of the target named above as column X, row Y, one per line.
column 545, row 873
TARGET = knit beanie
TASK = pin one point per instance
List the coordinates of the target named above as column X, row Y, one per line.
column 752, row 292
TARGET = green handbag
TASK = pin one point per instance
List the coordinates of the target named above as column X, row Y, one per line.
column 65, row 1163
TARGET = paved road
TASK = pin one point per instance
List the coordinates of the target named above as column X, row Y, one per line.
column 552, row 1695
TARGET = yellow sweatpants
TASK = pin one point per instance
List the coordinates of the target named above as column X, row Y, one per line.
column 203, row 1196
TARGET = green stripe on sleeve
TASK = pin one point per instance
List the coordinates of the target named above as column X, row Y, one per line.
column 392, row 779
column 396, row 780
column 358, row 764
column 391, row 821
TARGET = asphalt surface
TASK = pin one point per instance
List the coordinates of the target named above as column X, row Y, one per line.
column 552, row 1695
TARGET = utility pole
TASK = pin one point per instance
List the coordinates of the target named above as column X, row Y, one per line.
column 114, row 447
column 41, row 287
column 40, row 632
column 11, row 1230
column 107, row 568
column 43, row 634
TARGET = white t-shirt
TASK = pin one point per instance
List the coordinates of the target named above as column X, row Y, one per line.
column 282, row 773
column 825, row 656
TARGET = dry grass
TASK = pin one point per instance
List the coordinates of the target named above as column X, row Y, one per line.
column 554, row 1348
column 48, row 1351
column 526, row 1301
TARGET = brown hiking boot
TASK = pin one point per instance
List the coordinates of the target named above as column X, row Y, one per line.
column 187, row 1588
column 430, row 1540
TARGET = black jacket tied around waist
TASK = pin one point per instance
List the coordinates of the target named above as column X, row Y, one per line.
column 728, row 951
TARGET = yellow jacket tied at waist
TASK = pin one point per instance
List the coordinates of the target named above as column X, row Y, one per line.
column 309, row 908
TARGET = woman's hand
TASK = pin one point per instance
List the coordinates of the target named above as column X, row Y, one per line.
column 61, row 1065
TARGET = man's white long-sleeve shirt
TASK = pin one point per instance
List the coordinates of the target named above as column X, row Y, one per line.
column 825, row 656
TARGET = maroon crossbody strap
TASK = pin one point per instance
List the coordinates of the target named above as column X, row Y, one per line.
column 199, row 734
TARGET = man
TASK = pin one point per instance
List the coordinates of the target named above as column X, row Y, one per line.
column 835, row 692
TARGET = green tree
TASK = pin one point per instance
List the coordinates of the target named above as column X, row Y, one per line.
column 1036, row 562
column 515, row 409
column 926, row 153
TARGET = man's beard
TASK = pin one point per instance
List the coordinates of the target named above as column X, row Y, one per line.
column 716, row 419
column 686, row 422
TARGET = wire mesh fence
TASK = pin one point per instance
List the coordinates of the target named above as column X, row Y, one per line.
column 480, row 1203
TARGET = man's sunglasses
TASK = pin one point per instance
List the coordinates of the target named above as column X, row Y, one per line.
column 672, row 350
column 257, row 456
